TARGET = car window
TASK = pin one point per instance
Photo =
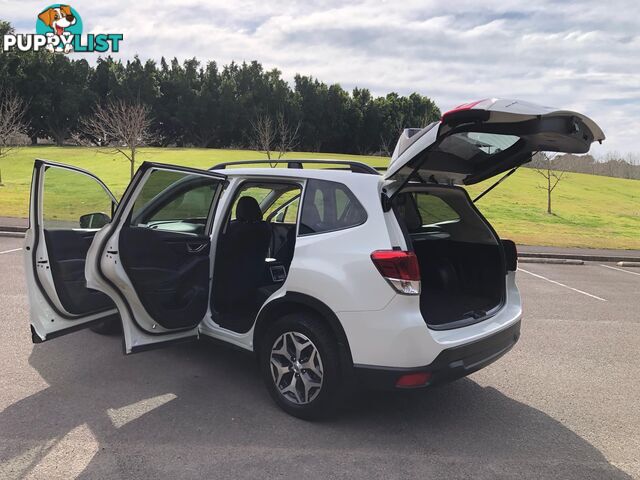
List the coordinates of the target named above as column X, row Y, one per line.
column 329, row 206
column 278, row 202
column 442, row 213
column 421, row 210
column 174, row 201
column 434, row 210
column 260, row 193
column 285, row 208
column 90, row 206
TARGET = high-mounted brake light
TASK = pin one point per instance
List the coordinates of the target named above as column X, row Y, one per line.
column 464, row 106
column 400, row 269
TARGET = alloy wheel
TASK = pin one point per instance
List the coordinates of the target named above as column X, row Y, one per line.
column 296, row 367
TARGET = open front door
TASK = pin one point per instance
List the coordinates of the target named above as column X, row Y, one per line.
column 68, row 206
column 154, row 258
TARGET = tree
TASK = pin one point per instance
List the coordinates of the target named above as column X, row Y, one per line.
column 264, row 135
column 122, row 126
column 287, row 135
column 211, row 105
column 551, row 176
column 274, row 137
column 388, row 144
column 12, row 123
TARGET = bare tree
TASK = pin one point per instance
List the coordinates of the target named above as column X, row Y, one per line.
column 287, row 135
column 121, row 126
column 274, row 137
column 388, row 144
column 12, row 123
column 551, row 176
column 264, row 135
column 385, row 146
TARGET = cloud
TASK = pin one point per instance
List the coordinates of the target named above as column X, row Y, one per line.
column 582, row 55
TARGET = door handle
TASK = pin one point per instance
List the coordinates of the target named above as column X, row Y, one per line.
column 195, row 247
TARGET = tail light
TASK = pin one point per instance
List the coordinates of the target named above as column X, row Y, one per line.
column 510, row 255
column 400, row 269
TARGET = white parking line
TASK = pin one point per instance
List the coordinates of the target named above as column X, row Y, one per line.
column 12, row 250
column 562, row 284
column 620, row 269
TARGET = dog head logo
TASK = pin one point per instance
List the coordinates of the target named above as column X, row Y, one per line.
column 59, row 19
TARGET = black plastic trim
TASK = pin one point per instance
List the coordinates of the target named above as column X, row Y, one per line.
column 451, row 364
column 166, row 343
column 36, row 338
column 293, row 299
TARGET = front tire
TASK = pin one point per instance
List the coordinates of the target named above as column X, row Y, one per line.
column 111, row 326
column 300, row 365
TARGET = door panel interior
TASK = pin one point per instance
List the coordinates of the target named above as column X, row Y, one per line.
column 283, row 240
column 67, row 250
column 170, row 273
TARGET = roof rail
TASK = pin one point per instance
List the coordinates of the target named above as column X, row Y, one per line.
column 355, row 167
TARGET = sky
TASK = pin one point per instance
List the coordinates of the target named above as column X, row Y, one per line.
column 581, row 55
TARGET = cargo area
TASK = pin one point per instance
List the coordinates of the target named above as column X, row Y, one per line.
column 462, row 266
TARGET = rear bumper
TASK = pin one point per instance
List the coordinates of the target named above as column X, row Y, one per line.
column 449, row 365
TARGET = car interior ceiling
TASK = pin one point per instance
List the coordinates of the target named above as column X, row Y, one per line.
column 461, row 265
column 253, row 256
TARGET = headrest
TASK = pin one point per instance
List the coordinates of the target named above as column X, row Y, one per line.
column 248, row 210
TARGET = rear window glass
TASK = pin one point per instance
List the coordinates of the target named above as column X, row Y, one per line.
column 329, row 206
column 477, row 145
column 420, row 209
column 445, row 213
column 434, row 210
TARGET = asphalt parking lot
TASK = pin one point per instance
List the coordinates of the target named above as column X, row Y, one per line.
column 564, row 403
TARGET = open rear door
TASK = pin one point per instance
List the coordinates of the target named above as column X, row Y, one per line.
column 478, row 140
column 154, row 258
column 68, row 206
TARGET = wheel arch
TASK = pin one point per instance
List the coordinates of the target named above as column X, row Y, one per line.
column 296, row 302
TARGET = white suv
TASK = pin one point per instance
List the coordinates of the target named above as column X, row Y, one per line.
column 333, row 277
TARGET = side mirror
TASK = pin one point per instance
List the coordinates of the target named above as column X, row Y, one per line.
column 94, row 220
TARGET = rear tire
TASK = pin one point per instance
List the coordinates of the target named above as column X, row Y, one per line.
column 111, row 326
column 311, row 386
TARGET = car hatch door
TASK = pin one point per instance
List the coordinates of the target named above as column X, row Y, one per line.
column 482, row 139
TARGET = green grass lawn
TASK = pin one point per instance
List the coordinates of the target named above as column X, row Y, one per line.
column 589, row 211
